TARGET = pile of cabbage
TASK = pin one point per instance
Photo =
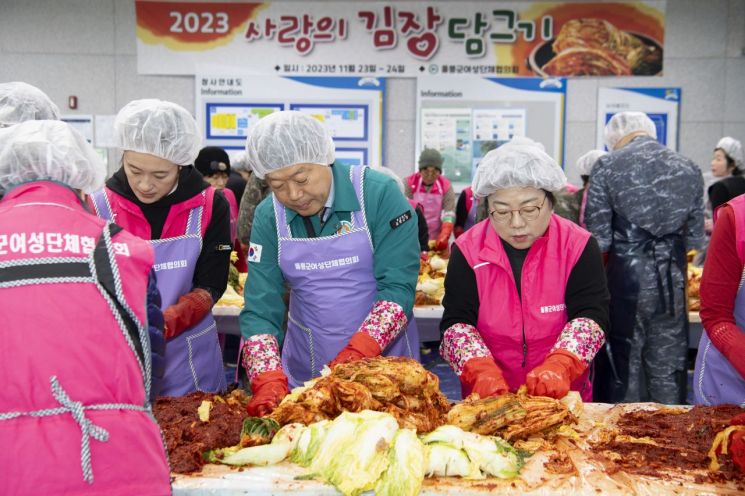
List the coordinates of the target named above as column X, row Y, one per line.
column 364, row 451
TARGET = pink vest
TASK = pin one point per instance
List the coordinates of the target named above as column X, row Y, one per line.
column 230, row 196
column 541, row 312
column 74, row 416
column 431, row 201
column 135, row 222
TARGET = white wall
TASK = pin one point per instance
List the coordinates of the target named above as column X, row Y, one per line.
column 87, row 48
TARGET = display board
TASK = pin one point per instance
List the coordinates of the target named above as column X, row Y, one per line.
column 403, row 39
column 662, row 105
column 228, row 105
column 466, row 117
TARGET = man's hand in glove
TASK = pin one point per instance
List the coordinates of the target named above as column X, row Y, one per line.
column 483, row 376
column 268, row 390
column 186, row 312
column 360, row 346
column 554, row 376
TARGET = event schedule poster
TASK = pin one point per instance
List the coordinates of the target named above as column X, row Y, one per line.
column 230, row 104
column 466, row 117
column 403, row 39
column 662, row 106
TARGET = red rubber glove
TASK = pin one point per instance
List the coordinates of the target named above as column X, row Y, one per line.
column 481, row 375
column 737, row 443
column 442, row 240
column 186, row 312
column 553, row 377
column 360, row 346
column 268, row 390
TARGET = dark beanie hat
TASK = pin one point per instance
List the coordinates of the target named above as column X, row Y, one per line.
column 211, row 160
column 430, row 158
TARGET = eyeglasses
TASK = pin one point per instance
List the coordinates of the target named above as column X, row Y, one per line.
column 528, row 213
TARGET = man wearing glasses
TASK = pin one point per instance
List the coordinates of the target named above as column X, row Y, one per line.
column 526, row 300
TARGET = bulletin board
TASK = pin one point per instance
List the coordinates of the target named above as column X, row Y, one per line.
column 466, row 117
column 351, row 108
column 662, row 105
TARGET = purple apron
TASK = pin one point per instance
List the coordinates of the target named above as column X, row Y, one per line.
column 471, row 218
column 432, row 205
column 333, row 290
column 715, row 380
column 193, row 358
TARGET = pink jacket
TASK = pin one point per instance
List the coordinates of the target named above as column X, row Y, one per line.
column 230, row 196
column 541, row 312
column 131, row 218
column 439, row 187
column 73, row 411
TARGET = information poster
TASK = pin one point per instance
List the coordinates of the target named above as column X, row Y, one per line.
column 466, row 117
column 229, row 105
column 662, row 105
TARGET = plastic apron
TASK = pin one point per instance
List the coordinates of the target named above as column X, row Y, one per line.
column 635, row 299
column 333, row 288
column 715, row 380
column 193, row 358
column 431, row 203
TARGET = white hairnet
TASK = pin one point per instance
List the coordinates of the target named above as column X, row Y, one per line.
column 733, row 149
column 240, row 162
column 49, row 150
column 587, row 161
column 521, row 163
column 286, row 138
column 388, row 172
column 21, row 102
column 624, row 123
column 159, row 128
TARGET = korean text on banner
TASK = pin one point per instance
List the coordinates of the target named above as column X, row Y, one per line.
column 403, row 39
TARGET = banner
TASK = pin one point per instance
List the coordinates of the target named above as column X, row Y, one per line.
column 464, row 118
column 402, row 39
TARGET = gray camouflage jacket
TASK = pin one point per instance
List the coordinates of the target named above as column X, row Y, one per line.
column 652, row 187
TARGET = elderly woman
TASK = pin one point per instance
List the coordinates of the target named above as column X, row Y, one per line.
column 727, row 163
column 159, row 196
column 76, row 332
column 344, row 239
column 526, row 300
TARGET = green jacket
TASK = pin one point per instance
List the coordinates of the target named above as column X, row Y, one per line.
column 396, row 249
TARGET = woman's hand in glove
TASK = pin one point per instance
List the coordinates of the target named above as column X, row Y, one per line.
column 483, row 376
column 554, row 376
column 186, row 312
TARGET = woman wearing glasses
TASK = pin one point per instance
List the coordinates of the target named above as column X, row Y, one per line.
column 526, row 300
